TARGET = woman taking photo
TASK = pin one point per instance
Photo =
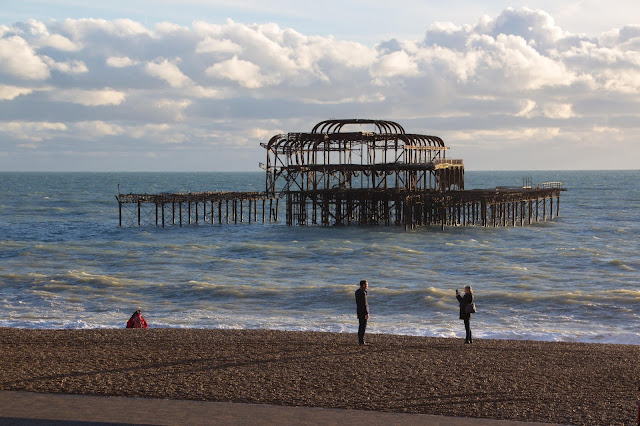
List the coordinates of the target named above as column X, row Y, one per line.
column 465, row 313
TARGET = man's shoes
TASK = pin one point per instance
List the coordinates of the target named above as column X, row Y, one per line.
column 364, row 344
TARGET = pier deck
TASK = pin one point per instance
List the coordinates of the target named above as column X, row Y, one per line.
column 477, row 207
column 195, row 208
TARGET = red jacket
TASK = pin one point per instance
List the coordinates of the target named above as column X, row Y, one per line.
column 136, row 321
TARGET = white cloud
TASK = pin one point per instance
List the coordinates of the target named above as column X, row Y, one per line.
column 120, row 62
column 505, row 78
column 94, row 129
column 18, row 59
column 8, row 93
column 245, row 73
column 39, row 34
column 260, row 134
column 558, row 110
column 175, row 107
column 121, row 28
column 59, row 42
column 69, row 67
column 508, row 135
column 90, row 97
column 167, row 71
column 395, row 64
column 164, row 29
column 528, row 108
column 204, row 92
column 211, row 45
column 32, row 130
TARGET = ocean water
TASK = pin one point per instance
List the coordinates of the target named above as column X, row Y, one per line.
column 65, row 263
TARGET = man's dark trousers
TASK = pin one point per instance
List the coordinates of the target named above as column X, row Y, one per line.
column 361, row 328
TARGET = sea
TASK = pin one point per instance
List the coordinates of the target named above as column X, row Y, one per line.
column 65, row 263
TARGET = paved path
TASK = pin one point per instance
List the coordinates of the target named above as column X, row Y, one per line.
column 36, row 409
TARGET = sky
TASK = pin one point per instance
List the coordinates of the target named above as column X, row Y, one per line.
column 197, row 85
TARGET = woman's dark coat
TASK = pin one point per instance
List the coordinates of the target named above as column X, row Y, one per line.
column 465, row 300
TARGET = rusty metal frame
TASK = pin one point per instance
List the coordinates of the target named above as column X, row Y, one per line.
column 329, row 157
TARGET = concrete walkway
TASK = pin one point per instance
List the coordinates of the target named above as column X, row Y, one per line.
column 36, row 409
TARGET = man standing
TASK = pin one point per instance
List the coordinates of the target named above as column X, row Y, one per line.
column 363, row 309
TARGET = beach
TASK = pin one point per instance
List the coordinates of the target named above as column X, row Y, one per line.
column 556, row 382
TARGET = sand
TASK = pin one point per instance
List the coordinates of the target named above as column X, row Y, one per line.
column 574, row 383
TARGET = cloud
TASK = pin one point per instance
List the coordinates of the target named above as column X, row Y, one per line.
column 18, row 59
column 395, row 64
column 70, row 67
column 10, row 92
column 245, row 73
column 167, row 71
column 32, row 131
column 83, row 29
column 120, row 62
column 40, row 36
column 528, row 108
column 211, row 45
column 94, row 129
column 59, row 42
column 558, row 110
column 503, row 80
column 89, row 97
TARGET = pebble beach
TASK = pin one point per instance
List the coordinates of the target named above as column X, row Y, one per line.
column 554, row 382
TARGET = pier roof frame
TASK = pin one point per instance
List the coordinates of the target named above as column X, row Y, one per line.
column 328, row 136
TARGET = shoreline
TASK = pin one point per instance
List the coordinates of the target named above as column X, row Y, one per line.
column 523, row 380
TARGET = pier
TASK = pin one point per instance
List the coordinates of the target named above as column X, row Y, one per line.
column 195, row 208
column 338, row 176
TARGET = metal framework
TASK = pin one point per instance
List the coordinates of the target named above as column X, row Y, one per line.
column 329, row 157
column 344, row 173
column 354, row 172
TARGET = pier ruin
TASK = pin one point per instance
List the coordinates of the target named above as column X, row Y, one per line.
column 353, row 172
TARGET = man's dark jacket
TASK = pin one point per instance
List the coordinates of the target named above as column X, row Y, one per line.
column 361, row 302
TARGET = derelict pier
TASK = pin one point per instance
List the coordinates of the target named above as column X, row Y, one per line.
column 338, row 175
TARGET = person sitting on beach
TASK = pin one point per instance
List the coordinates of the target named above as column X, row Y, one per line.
column 136, row 320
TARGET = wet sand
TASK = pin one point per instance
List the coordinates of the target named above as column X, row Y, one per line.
column 574, row 383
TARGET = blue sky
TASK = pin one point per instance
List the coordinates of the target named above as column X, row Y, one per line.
column 197, row 85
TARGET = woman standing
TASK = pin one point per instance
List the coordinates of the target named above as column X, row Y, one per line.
column 466, row 300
